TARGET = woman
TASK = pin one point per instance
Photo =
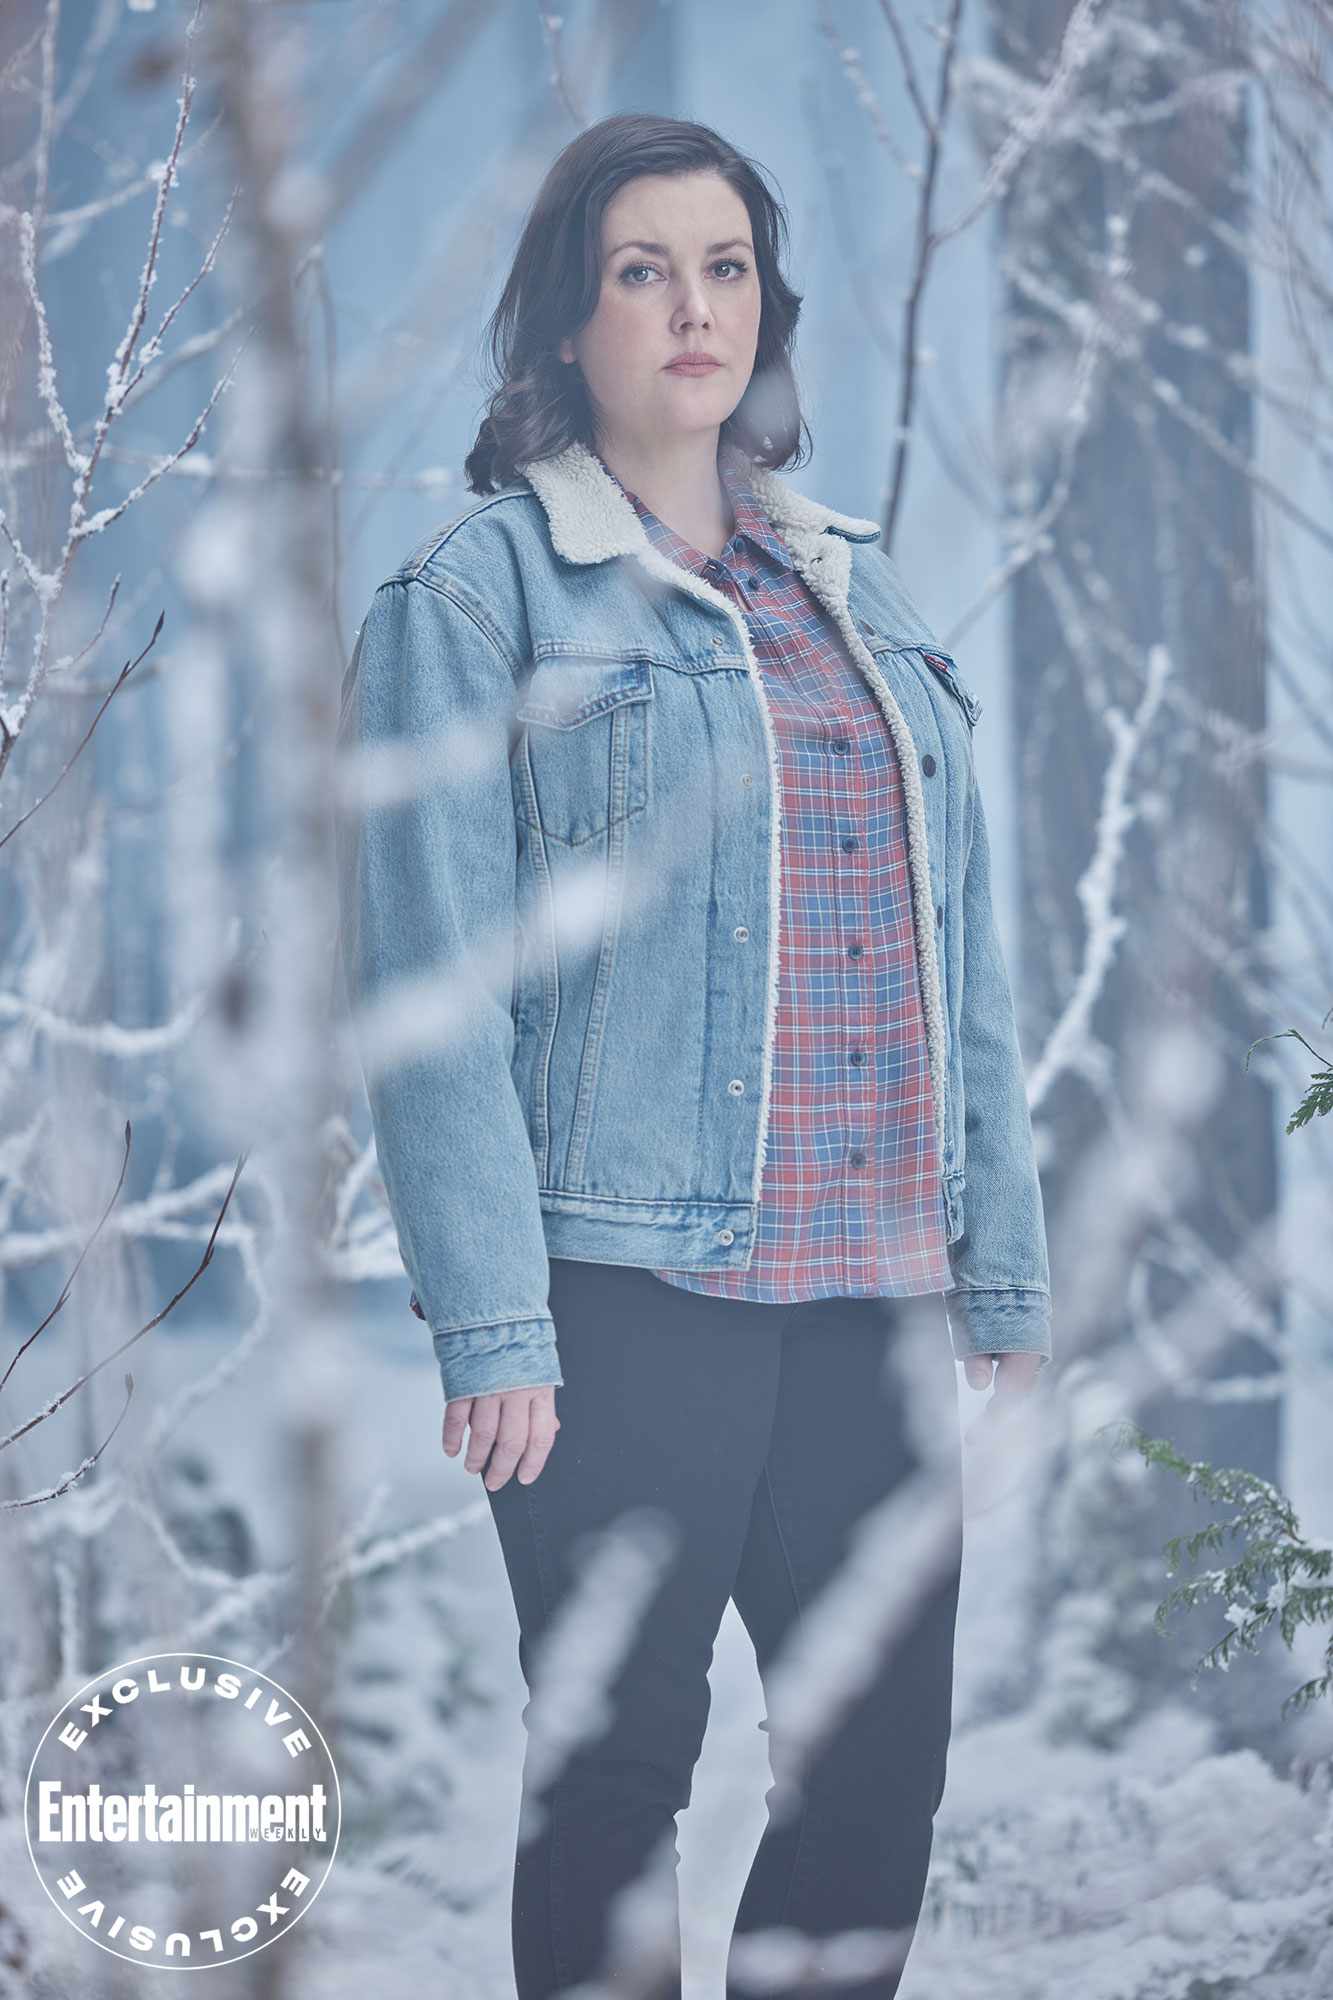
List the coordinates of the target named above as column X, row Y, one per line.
column 713, row 1032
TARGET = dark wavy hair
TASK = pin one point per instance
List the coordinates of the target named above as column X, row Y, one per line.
column 540, row 404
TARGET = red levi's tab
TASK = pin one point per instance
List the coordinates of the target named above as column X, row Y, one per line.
column 938, row 660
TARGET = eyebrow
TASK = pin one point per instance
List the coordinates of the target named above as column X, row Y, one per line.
column 660, row 249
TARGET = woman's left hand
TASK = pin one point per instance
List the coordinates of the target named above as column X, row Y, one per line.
column 996, row 1462
column 1012, row 1371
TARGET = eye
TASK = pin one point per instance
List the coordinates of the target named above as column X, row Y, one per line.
column 628, row 279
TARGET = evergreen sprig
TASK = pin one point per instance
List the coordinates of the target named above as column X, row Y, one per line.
column 1318, row 1099
column 1281, row 1576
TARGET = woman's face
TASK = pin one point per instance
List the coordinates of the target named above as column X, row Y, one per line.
column 678, row 275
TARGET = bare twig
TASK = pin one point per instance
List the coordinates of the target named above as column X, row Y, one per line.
column 72, row 1478
column 58, row 1402
column 8, row 737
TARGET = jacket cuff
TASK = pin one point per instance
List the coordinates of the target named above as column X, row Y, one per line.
column 1008, row 1320
column 506, row 1354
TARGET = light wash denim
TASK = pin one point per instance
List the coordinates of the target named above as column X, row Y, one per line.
column 559, row 865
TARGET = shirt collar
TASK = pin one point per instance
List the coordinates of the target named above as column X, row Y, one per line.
column 751, row 521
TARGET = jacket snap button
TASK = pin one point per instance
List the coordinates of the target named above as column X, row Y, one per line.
column 735, row 1086
column 726, row 1236
column 928, row 765
column 747, row 778
column 740, row 933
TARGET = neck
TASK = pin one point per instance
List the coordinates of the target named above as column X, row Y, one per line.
column 678, row 478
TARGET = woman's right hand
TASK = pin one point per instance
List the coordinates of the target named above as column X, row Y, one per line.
column 511, row 1427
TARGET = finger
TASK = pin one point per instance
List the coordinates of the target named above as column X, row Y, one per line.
column 483, row 1424
column 977, row 1369
column 455, row 1423
column 542, row 1427
column 1016, row 1371
column 510, row 1442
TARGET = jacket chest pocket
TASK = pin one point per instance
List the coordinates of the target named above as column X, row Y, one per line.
column 945, row 670
column 583, row 765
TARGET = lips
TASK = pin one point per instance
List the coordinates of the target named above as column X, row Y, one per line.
column 692, row 367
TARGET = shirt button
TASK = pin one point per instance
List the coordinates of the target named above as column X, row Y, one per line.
column 928, row 765
column 854, row 951
column 857, row 1157
column 740, row 933
column 752, row 583
column 857, row 1056
column 736, row 1087
column 839, row 746
column 848, row 842
column 726, row 1236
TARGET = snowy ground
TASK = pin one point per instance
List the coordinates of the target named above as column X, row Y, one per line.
column 1162, row 1872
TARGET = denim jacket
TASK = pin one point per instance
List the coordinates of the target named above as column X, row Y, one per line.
column 559, row 857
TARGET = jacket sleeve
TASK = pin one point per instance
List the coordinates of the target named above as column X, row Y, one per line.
column 1000, row 1301
column 426, row 852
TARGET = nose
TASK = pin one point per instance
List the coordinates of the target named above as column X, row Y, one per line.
column 692, row 310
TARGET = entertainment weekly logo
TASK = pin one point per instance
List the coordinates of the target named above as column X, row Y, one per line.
column 182, row 1810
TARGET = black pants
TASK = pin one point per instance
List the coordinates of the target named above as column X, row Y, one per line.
column 748, row 1439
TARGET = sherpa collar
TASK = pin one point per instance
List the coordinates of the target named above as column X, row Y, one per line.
column 591, row 519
